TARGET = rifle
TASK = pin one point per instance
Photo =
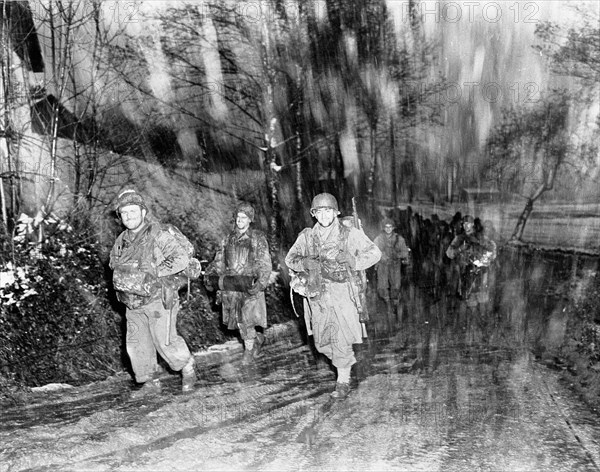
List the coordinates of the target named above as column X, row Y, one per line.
column 361, row 299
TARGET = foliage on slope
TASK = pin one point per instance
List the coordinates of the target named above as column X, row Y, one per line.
column 57, row 322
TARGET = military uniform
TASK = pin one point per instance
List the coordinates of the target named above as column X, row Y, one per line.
column 331, row 307
column 141, row 260
column 394, row 253
column 473, row 253
column 244, row 252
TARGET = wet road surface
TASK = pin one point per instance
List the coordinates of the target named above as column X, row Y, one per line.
column 437, row 387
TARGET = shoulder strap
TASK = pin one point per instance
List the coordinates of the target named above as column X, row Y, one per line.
column 306, row 232
column 254, row 234
column 344, row 233
column 119, row 244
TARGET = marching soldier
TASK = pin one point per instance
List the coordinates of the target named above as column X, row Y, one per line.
column 244, row 252
column 330, row 254
column 394, row 254
column 473, row 252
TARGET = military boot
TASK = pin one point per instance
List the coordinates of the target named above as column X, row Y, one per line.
column 248, row 357
column 188, row 376
column 341, row 391
column 258, row 344
column 151, row 387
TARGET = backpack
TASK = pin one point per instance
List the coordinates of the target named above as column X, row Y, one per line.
column 194, row 268
column 172, row 283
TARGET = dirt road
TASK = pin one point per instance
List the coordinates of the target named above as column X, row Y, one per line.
column 431, row 395
column 439, row 386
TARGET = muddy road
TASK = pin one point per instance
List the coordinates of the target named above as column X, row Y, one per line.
column 437, row 387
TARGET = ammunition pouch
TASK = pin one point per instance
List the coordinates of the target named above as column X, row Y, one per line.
column 129, row 279
column 336, row 276
column 132, row 301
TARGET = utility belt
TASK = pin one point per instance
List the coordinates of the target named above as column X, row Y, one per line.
column 339, row 275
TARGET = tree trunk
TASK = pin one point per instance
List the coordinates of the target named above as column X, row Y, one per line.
column 3, row 204
column 7, row 121
column 59, row 67
column 273, row 186
column 517, row 234
column 372, row 171
column 299, row 125
column 271, row 167
column 92, row 157
column 393, row 170
column 547, row 185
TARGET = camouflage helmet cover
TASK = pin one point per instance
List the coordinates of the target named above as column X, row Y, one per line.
column 130, row 197
column 246, row 209
column 324, row 200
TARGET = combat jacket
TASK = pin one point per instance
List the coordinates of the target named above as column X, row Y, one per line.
column 151, row 246
column 244, row 253
column 310, row 244
column 393, row 248
column 332, row 305
column 472, row 249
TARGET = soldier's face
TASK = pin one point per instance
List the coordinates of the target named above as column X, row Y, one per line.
column 242, row 221
column 468, row 227
column 388, row 229
column 132, row 217
column 324, row 216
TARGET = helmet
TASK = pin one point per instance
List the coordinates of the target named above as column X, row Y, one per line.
column 130, row 197
column 387, row 221
column 246, row 209
column 324, row 200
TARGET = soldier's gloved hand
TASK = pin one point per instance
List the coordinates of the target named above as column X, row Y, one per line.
column 344, row 257
column 311, row 264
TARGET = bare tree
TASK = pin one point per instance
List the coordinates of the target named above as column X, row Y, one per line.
column 528, row 149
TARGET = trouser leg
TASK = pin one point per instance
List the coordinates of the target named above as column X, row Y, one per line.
column 395, row 283
column 335, row 348
column 247, row 332
column 175, row 352
column 383, row 282
column 344, row 374
column 140, row 345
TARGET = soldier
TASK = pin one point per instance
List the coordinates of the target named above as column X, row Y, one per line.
column 143, row 258
column 331, row 253
column 473, row 252
column 244, row 252
column 394, row 253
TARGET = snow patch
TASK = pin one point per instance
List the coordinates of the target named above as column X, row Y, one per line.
column 52, row 387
